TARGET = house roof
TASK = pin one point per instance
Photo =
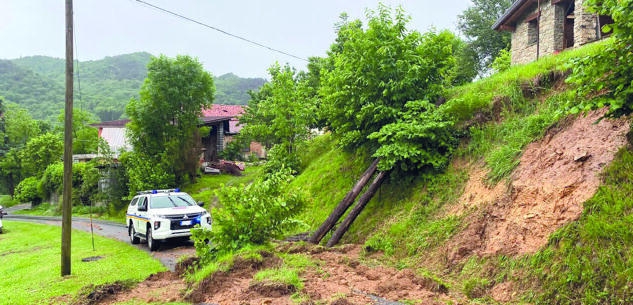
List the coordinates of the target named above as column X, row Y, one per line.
column 111, row 124
column 215, row 119
column 515, row 11
column 223, row 110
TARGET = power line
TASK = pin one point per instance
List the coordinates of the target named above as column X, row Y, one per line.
column 220, row 30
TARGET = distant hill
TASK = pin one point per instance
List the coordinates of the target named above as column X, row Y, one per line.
column 37, row 83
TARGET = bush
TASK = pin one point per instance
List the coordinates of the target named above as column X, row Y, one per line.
column 503, row 61
column 147, row 172
column 52, row 180
column 279, row 157
column 251, row 214
column 27, row 191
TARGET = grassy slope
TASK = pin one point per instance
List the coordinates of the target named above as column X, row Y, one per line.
column 403, row 219
column 204, row 189
column 31, row 263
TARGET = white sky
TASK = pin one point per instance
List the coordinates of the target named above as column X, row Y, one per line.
column 113, row 27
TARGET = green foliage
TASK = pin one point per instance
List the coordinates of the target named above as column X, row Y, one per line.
column 27, row 190
column 503, row 61
column 251, row 214
column 420, row 137
column 40, row 152
column 476, row 24
column 52, row 180
column 281, row 112
column 165, row 117
column 609, row 72
column 234, row 150
column 170, row 102
column 377, row 70
column 280, row 157
column 147, row 172
column 84, row 137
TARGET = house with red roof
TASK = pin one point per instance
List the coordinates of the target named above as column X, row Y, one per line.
column 223, row 122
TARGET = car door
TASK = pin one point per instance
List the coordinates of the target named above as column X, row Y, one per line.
column 131, row 211
column 142, row 216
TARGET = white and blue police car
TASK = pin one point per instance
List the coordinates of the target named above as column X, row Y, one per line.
column 159, row 215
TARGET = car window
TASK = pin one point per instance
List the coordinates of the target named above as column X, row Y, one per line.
column 172, row 201
column 133, row 203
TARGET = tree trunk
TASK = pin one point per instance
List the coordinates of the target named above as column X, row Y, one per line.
column 362, row 202
column 342, row 207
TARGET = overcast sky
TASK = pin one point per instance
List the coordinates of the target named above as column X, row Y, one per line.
column 113, row 27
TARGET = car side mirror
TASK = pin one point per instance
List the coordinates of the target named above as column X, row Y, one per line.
column 201, row 203
column 142, row 208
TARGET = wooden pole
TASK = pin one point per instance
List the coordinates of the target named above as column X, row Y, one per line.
column 68, row 144
column 360, row 205
column 342, row 207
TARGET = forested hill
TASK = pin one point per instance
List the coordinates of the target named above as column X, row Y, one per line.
column 37, row 84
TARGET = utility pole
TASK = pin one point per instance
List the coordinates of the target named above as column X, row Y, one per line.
column 68, row 144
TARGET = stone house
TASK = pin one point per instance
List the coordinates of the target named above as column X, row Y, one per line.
column 543, row 27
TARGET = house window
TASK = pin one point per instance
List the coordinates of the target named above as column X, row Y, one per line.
column 532, row 32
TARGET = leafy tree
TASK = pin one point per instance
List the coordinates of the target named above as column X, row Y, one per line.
column 40, row 152
column 147, row 172
column 378, row 70
column 611, row 69
column 476, row 24
column 166, row 115
column 421, row 137
column 251, row 214
column 19, row 127
column 280, row 113
column 84, row 137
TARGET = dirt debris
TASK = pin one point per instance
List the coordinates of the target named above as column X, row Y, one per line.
column 163, row 287
column 547, row 190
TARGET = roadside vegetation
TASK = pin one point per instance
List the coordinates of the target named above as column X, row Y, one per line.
column 30, row 268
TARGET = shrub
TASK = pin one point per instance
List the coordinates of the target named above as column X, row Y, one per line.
column 502, row 62
column 280, row 157
column 251, row 214
column 27, row 190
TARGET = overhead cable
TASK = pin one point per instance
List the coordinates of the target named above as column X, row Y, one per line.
column 219, row 30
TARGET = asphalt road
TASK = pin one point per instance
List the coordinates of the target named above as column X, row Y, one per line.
column 168, row 253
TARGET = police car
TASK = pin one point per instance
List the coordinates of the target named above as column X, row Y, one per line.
column 162, row 214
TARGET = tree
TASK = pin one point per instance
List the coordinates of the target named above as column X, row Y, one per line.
column 378, row 70
column 281, row 112
column 84, row 137
column 166, row 115
column 19, row 127
column 40, row 152
column 476, row 24
column 609, row 70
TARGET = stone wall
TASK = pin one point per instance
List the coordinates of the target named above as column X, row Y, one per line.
column 551, row 31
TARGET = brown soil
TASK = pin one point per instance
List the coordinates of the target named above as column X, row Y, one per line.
column 340, row 278
column 159, row 287
column 555, row 176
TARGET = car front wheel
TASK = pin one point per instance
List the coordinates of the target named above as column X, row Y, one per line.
column 132, row 233
column 151, row 243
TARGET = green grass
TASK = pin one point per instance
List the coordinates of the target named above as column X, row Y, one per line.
column 31, row 263
column 284, row 275
column 204, row 189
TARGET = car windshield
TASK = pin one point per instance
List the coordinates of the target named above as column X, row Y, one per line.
column 172, row 201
